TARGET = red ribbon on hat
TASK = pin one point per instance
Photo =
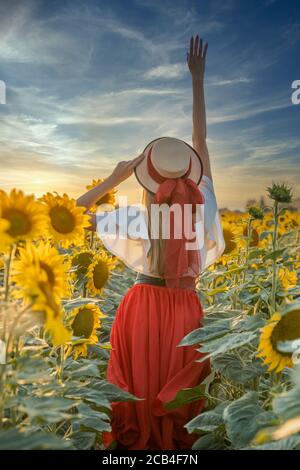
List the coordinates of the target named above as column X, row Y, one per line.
column 181, row 265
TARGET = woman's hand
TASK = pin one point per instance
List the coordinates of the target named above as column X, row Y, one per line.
column 122, row 171
column 125, row 169
column 196, row 58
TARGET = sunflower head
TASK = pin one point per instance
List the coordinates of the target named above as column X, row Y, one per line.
column 109, row 198
column 256, row 212
column 5, row 239
column 26, row 216
column 67, row 221
column 81, row 261
column 50, row 312
column 281, row 328
column 288, row 278
column 280, row 193
column 84, row 322
column 48, row 264
column 254, row 235
column 229, row 237
column 98, row 273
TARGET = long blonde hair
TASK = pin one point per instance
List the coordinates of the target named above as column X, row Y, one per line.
column 155, row 253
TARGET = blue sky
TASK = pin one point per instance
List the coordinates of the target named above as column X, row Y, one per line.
column 90, row 83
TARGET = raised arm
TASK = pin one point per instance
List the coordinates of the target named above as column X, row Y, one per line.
column 196, row 62
column 122, row 171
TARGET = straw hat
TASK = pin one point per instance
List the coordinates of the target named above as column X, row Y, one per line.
column 168, row 157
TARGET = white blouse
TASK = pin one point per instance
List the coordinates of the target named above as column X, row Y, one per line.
column 124, row 232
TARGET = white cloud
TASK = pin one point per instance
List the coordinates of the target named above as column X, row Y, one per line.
column 231, row 81
column 166, row 72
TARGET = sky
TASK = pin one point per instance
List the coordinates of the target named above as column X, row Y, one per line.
column 90, row 83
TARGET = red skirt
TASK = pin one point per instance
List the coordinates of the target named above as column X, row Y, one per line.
column 144, row 360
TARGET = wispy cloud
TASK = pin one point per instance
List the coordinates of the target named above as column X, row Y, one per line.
column 231, row 81
column 166, row 72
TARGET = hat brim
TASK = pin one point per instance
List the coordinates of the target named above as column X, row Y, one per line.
column 145, row 180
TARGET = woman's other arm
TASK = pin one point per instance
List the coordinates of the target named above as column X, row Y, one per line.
column 122, row 171
column 196, row 62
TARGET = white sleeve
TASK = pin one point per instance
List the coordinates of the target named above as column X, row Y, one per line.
column 124, row 233
column 214, row 243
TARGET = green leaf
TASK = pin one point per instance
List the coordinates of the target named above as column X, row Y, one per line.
column 113, row 392
column 265, row 234
column 45, row 409
column 287, row 404
column 233, row 368
column 256, row 253
column 226, row 343
column 94, row 424
column 207, row 421
column 274, row 254
column 13, row 439
column 85, row 368
column 243, row 418
column 206, row 333
column 185, row 396
column 217, row 290
column 210, row 441
column 84, row 440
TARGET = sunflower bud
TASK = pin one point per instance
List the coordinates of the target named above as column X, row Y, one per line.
column 280, row 193
column 256, row 212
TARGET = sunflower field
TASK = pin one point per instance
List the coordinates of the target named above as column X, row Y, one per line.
column 59, row 290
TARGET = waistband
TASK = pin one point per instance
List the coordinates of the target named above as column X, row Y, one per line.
column 145, row 279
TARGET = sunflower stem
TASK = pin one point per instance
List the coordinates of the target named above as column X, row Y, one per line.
column 62, row 362
column 7, row 272
column 6, row 286
column 274, row 263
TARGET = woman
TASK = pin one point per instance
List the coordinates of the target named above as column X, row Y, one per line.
column 162, row 306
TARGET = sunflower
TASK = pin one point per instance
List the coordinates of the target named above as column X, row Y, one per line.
column 26, row 216
column 5, row 239
column 80, row 262
column 288, row 278
column 47, row 258
column 280, row 327
column 39, row 293
column 98, row 273
column 108, row 198
column 67, row 221
column 229, row 233
column 84, row 322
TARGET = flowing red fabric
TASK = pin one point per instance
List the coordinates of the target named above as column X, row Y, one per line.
column 181, row 263
column 146, row 361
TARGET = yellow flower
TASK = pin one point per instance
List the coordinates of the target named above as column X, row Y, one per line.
column 288, row 278
column 229, row 233
column 67, row 221
column 5, row 239
column 80, row 262
column 98, row 273
column 108, row 198
column 84, row 322
column 285, row 327
column 40, row 294
column 49, row 261
column 254, row 235
column 27, row 217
